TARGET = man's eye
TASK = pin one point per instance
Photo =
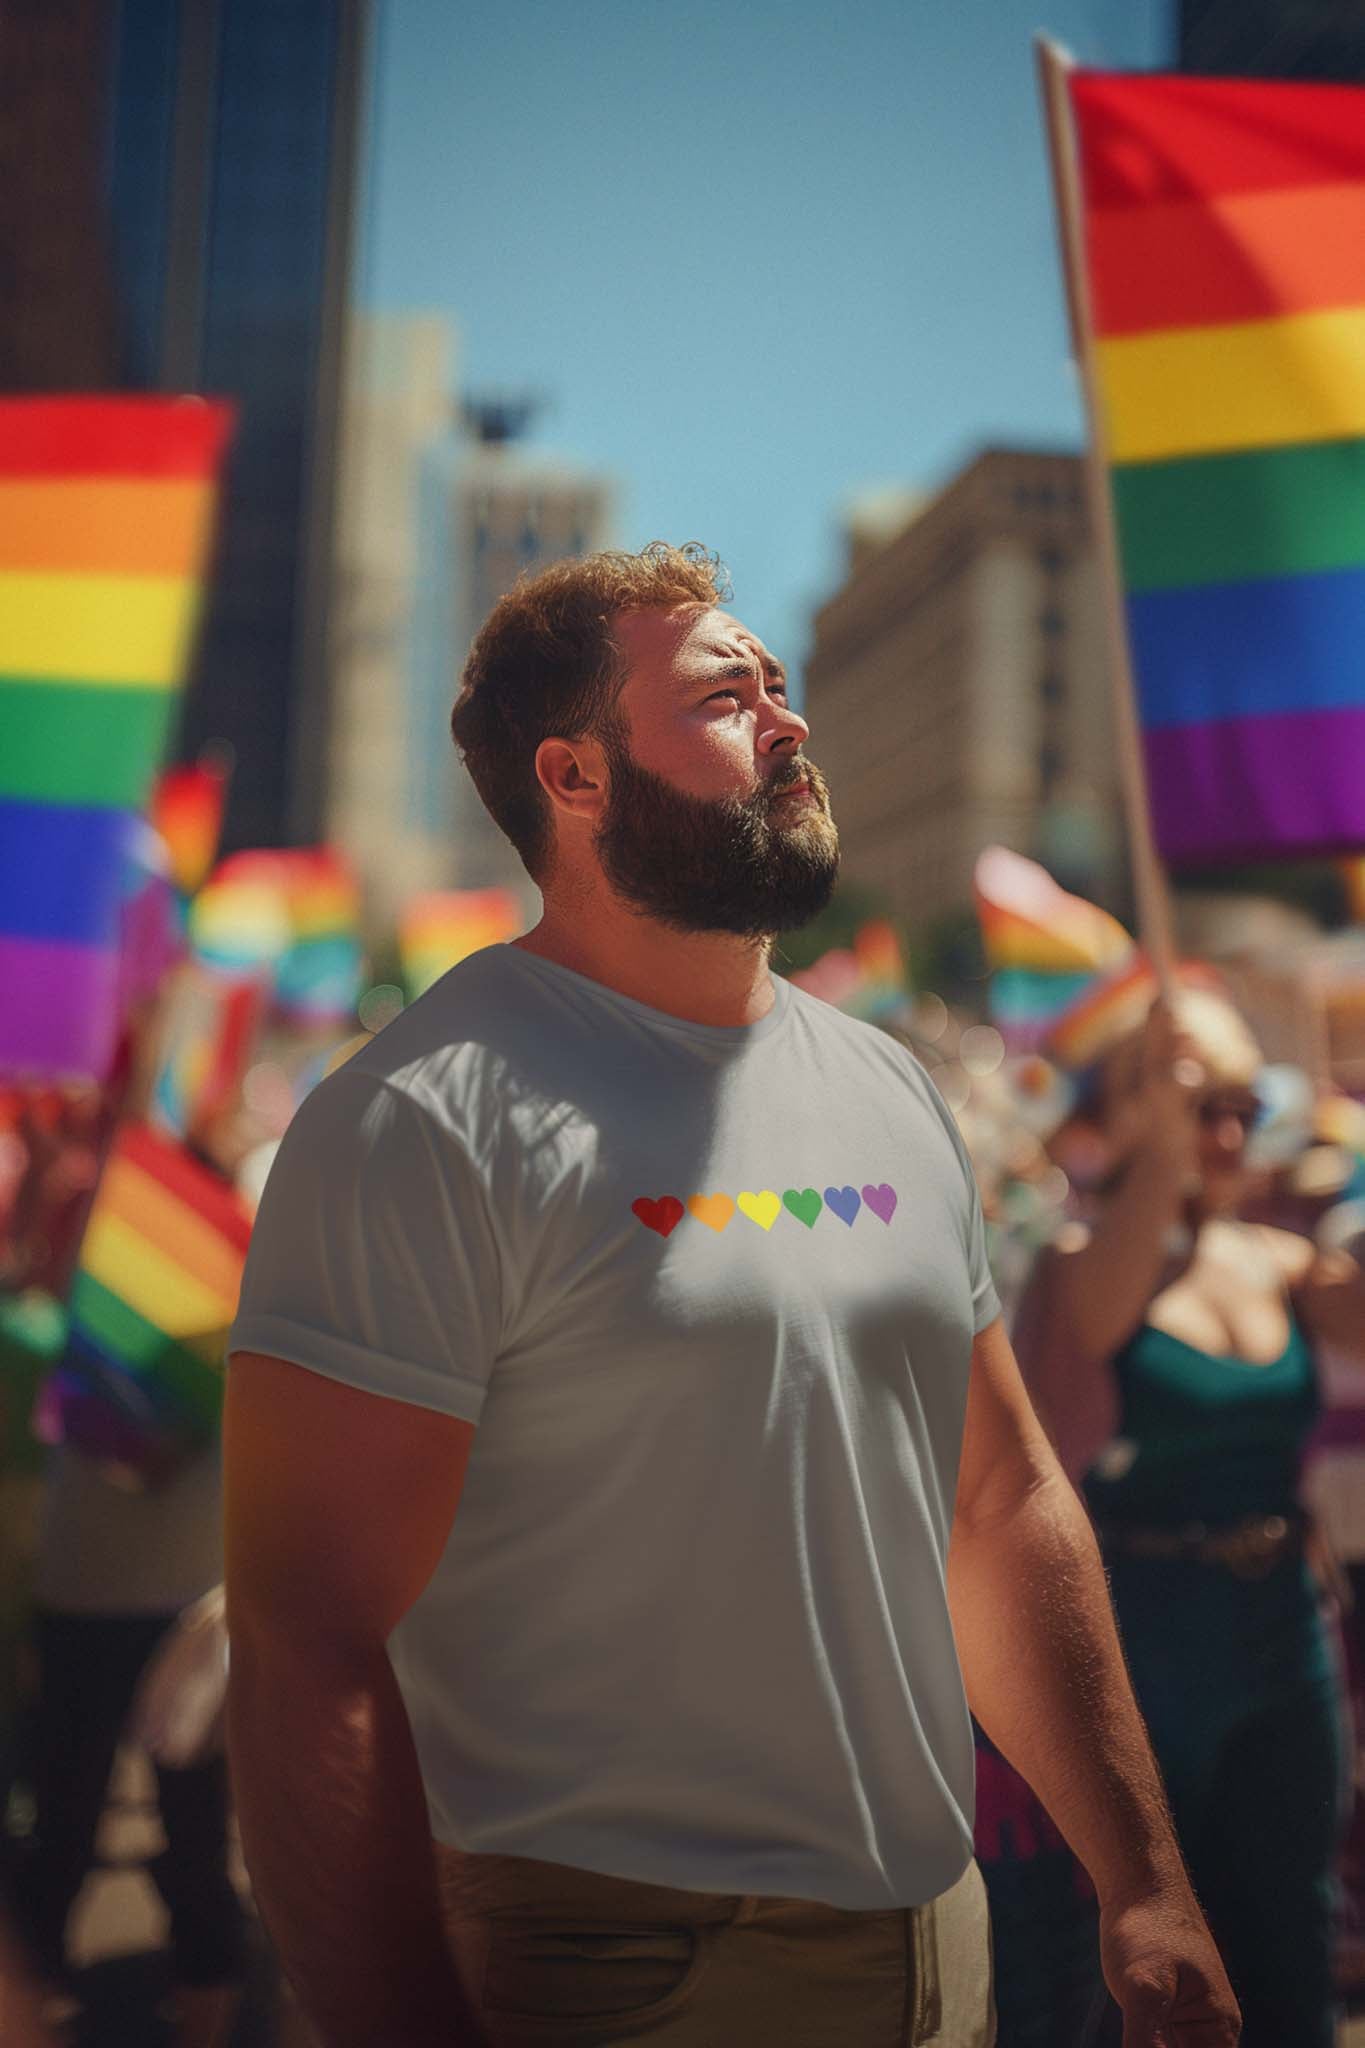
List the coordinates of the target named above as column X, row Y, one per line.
column 723, row 693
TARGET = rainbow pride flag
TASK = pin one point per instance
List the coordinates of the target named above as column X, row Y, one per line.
column 292, row 913
column 441, row 927
column 318, row 982
column 187, row 810
column 211, row 1024
column 1224, row 229
column 1047, row 949
column 154, row 1295
column 239, row 921
column 155, row 1292
column 106, row 511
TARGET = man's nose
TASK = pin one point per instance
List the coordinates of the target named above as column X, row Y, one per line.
column 784, row 728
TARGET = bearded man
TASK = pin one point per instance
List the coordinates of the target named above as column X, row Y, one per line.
column 617, row 1357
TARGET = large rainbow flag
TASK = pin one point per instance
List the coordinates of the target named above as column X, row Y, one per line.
column 1224, row 230
column 156, row 1289
column 106, row 513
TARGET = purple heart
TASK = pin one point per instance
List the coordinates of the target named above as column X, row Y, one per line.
column 845, row 1202
column 881, row 1201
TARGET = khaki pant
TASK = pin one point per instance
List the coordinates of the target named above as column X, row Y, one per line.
column 548, row 1955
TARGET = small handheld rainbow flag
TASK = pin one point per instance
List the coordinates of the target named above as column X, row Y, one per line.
column 106, row 508
column 440, row 928
column 155, row 1292
column 1066, row 978
column 1045, row 947
column 1224, row 228
column 318, row 981
column 290, row 913
column 187, row 810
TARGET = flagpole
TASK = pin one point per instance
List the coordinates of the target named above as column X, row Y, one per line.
column 1150, row 886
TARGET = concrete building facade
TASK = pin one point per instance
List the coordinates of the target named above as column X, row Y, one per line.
column 514, row 514
column 392, row 655
column 957, row 691
column 232, row 149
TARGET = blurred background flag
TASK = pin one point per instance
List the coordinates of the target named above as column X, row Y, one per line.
column 1224, row 230
column 239, row 922
column 440, row 927
column 317, row 983
column 292, row 914
column 187, row 810
column 156, row 1289
column 106, row 510
column 1045, row 947
column 210, row 1025
column 141, row 1382
column 885, row 981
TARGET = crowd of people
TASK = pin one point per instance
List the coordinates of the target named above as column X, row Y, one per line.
column 1186, row 1306
column 1127, row 1233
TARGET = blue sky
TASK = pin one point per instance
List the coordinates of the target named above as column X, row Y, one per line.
column 758, row 255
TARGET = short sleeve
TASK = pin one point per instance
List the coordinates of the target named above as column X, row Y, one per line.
column 373, row 1258
column 985, row 1300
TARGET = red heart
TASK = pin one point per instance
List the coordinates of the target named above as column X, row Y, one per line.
column 664, row 1215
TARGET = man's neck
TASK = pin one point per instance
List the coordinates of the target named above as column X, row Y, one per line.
column 702, row 977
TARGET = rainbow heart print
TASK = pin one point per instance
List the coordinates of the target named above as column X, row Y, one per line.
column 763, row 1207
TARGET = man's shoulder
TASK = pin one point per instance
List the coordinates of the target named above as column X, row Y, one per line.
column 860, row 1039
column 442, row 1056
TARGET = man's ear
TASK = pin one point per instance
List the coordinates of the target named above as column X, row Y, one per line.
column 573, row 775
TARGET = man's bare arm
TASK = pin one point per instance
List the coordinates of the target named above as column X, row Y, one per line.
column 1046, row 1679
column 338, row 1505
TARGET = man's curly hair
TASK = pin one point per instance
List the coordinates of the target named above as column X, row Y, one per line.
column 545, row 665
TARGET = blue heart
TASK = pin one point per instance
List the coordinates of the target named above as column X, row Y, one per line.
column 845, row 1202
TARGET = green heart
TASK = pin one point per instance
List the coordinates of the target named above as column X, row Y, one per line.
column 803, row 1203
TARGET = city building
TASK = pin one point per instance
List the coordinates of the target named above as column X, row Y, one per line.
column 957, row 690
column 514, row 513
column 391, row 794
column 1312, row 39
column 57, row 327
column 231, row 153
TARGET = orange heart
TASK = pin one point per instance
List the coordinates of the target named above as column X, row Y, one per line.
column 714, row 1211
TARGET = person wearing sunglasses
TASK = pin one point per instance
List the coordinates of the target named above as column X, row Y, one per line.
column 1168, row 1344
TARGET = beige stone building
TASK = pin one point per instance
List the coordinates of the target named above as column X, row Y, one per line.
column 393, row 768
column 514, row 513
column 957, row 693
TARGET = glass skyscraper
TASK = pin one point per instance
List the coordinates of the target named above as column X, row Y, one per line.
column 232, row 145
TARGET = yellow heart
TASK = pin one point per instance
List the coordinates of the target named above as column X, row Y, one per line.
column 763, row 1209
column 713, row 1210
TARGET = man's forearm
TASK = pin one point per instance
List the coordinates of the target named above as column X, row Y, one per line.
column 334, row 1829
column 1046, row 1679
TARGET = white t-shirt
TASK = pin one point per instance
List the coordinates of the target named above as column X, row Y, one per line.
column 709, row 1294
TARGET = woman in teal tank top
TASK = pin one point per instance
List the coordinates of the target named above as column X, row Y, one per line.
column 1169, row 1349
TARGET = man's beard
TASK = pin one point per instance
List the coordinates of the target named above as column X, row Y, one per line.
column 727, row 864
